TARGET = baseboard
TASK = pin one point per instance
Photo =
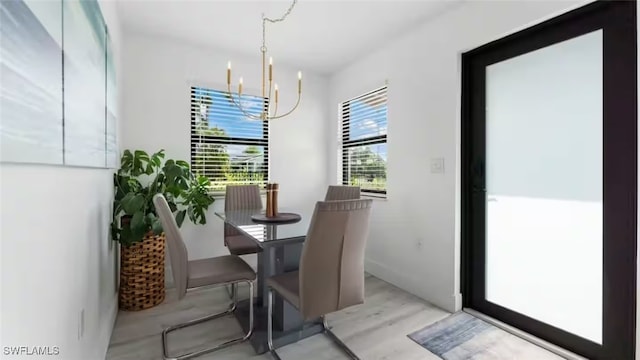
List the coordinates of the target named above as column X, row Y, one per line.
column 410, row 284
column 106, row 331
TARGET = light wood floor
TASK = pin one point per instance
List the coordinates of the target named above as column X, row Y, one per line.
column 375, row 330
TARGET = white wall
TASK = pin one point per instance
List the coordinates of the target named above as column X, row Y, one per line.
column 415, row 240
column 57, row 257
column 158, row 73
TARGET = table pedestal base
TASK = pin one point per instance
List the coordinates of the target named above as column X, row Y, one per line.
column 280, row 338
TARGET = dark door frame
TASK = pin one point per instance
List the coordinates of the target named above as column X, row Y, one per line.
column 620, row 162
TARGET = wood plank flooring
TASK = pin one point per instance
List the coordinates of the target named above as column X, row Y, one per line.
column 376, row 329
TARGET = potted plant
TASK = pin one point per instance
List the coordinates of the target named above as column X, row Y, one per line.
column 136, row 226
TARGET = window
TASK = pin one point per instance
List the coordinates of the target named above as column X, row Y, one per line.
column 364, row 141
column 226, row 146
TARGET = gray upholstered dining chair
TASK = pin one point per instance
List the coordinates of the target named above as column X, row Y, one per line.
column 341, row 192
column 240, row 197
column 331, row 273
column 188, row 275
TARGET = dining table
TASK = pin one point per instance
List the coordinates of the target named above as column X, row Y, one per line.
column 281, row 247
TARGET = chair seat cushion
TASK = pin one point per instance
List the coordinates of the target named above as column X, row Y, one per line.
column 218, row 270
column 287, row 285
column 241, row 245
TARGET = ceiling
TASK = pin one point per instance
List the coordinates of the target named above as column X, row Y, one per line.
column 319, row 35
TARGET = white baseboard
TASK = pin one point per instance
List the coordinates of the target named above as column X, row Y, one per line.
column 411, row 284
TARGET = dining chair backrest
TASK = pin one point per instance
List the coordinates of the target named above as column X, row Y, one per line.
column 240, row 197
column 339, row 192
column 177, row 249
column 331, row 273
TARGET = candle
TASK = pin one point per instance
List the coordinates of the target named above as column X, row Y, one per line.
column 229, row 73
column 270, row 68
column 299, row 82
column 240, row 87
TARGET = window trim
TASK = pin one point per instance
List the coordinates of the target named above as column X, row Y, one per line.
column 195, row 139
column 346, row 144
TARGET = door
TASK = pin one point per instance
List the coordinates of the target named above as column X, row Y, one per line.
column 550, row 180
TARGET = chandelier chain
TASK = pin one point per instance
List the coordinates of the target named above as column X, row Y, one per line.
column 264, row 22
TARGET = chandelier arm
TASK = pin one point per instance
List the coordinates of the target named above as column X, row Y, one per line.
column 269, row 99
column 237, row 104
column 287, row 113
column 275, row 111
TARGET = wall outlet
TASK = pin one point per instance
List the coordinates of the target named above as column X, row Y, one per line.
column 437, row 165
column 81, row 324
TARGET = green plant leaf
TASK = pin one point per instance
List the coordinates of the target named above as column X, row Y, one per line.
column 141, row 154
column 182, row 164
column 115, row 231
column 172, row 205
column 180, row 217
column 149, row 169
column 132, row 203
column 156, row 226
column 137, row 221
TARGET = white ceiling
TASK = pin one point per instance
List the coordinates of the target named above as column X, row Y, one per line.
column 319, row 35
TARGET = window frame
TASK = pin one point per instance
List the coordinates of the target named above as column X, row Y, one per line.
column 346, row 144
column 195, row 139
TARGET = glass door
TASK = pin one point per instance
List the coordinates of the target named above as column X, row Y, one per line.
column 550, row 180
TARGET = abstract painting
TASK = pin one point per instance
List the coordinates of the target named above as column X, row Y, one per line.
column 31, row 88
column 58, row 88
column 111, row 130
column 84, row 84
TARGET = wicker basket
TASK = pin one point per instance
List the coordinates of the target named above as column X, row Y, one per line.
column 142, row 273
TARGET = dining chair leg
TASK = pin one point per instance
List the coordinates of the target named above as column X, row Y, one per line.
column 229, row 311
column 270, row 325
column 336, row 340
column 232, row 289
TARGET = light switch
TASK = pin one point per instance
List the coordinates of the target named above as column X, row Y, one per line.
column 437, row 165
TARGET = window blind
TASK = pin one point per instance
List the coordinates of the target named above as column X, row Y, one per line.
column 364, row 141
column 226, row 146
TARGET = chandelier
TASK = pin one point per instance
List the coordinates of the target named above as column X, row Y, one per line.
column 270, row 110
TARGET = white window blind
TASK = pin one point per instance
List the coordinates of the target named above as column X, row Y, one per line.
column 364, row 141
column 226, row 146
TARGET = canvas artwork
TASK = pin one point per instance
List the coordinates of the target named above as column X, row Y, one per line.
column 58, row 84
column 31, row 87
column 84, row 84
column 111, row 130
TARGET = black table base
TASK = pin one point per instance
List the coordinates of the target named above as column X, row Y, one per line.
column 280, row 338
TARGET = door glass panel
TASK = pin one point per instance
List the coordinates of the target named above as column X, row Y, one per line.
column 544, row 185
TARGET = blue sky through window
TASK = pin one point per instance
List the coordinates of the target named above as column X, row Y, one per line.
column 368, row 121
column 225, row 115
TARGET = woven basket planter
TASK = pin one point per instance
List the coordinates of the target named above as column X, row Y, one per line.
column 142, row 273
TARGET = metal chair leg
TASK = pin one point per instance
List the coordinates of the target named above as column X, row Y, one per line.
column 272, row 351
column 232, row 290
column 336, row 340
column 230, row 310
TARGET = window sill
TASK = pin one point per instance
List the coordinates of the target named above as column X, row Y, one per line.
column 377, row 197
column 221, row 195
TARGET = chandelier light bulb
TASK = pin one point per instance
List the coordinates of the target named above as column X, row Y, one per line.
column 299, row 75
